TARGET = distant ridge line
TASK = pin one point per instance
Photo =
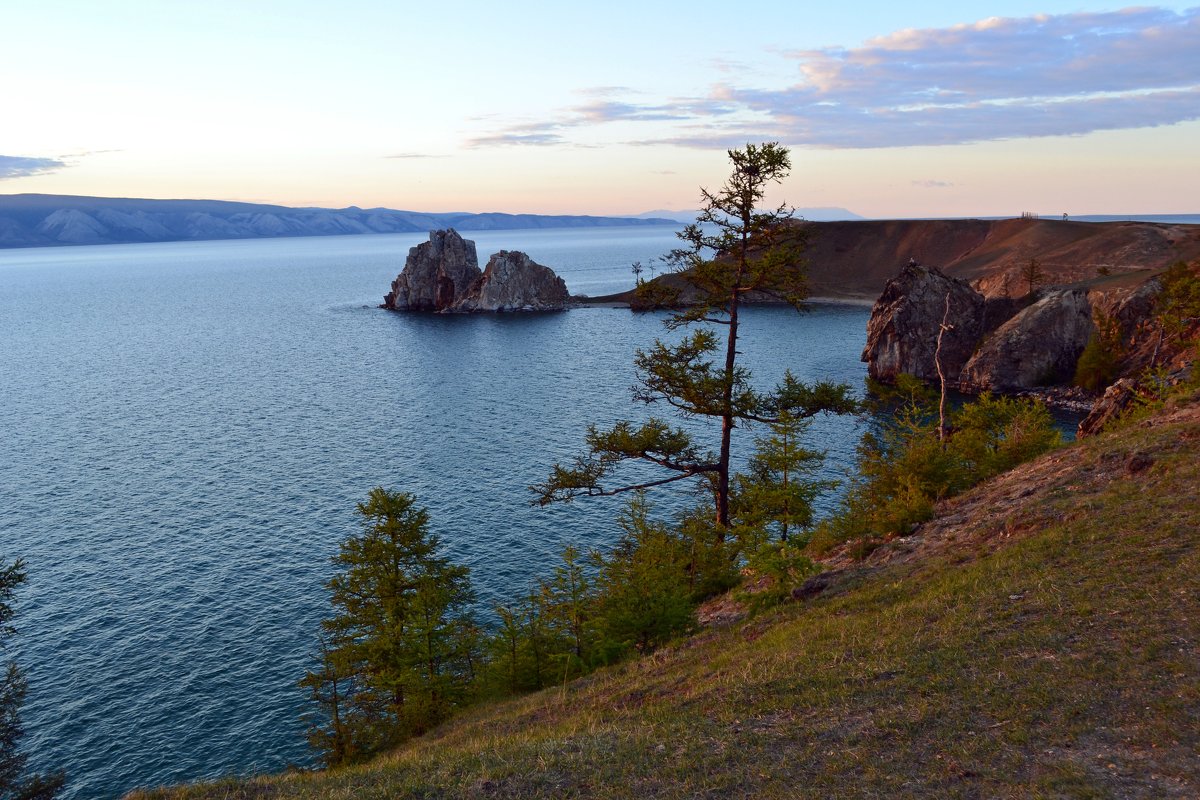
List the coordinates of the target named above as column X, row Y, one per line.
column 44, row 220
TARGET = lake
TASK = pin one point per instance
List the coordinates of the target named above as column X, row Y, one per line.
column 187, row 428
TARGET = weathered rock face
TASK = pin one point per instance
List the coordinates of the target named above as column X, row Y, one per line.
column 513, row 281
column 1132, row 308
column 443, row 275
column 1039, row 346
column 903, row 330
column 437, row 274
column 1117, row 399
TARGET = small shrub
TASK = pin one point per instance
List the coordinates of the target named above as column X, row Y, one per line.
column 904, row 469
column 785, row 565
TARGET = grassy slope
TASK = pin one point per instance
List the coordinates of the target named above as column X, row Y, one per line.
column 1041, row 639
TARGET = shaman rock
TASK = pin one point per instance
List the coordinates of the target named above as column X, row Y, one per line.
column 512, row 281
column 443, row 275
column 437, row 274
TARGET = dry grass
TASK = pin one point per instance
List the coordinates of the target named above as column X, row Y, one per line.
column 1043, row 643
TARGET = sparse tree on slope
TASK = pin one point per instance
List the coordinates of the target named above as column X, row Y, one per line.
column 733, row 251
column 1033, row 274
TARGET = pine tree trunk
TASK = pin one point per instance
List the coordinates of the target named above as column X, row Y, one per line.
column 726, row 424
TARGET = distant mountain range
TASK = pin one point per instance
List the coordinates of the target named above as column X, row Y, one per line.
column 39, row 220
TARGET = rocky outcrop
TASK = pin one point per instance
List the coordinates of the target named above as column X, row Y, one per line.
column 512, row 281
column 903, row 330
column 437, row 274
column 443, row 275
column 1038, row 347
column 1117, row 399
column 993, row 344
column 1130, row 310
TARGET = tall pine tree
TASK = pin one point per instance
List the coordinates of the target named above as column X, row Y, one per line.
column 735, row 251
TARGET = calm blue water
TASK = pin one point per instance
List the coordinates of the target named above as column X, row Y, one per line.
column 186, row 428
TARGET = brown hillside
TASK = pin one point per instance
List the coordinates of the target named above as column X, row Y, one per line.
column 858, row 258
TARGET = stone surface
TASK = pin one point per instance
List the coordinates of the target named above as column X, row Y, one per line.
column 437, row 274
column 903, row 330
column 1037, row 347
column 1134, row 309
column 512, row 281
column 443, row 275
column 1116, row 400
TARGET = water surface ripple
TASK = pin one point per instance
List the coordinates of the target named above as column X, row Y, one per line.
column 186, row 429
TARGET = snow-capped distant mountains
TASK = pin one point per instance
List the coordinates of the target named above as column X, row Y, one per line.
column 36, row 220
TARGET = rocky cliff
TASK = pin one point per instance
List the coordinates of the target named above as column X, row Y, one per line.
column 512, row 281
column 903, row 330
column 437, row 274
column 997, row 344
column 1039, row 346
column 443, row 275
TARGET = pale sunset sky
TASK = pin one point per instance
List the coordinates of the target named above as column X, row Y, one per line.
column 891, row 109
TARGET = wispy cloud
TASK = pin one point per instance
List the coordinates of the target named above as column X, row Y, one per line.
column 932, row 184
column 999, row 78
column 728, row 65
column 601, row 111
column 86, row 153
column 994, row 79
column 23, row 167
column 510, row 138
column 605, row 91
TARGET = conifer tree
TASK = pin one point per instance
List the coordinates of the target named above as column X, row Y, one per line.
column 14, row 784
column 1033, row 274
column 735, row 250
column 780, row 486
column 397, row 655
column 566, row 597
column 642, row 594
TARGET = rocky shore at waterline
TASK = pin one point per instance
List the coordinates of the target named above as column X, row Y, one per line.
column 443, row 276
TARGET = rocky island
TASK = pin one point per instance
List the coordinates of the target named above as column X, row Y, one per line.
column 443, row 276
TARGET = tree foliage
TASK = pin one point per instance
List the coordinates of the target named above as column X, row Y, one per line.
column 778, row 489
column 399, row 653
column 734, row 251
column 1178, row 307
column 904, row 469
column 1097, row 364
column 14, row 783
column 1033, row 275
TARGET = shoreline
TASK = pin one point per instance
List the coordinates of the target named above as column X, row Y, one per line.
column 615, row 301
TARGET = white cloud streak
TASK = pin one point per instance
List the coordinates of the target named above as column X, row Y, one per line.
column 1047, row 75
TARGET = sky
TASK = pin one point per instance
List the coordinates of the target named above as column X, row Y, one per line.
column 911, row 109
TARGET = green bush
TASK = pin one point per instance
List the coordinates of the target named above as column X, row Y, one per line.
column 1097, row 365
column 904, row 469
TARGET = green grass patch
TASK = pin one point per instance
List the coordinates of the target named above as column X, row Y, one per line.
column 1063, row 664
